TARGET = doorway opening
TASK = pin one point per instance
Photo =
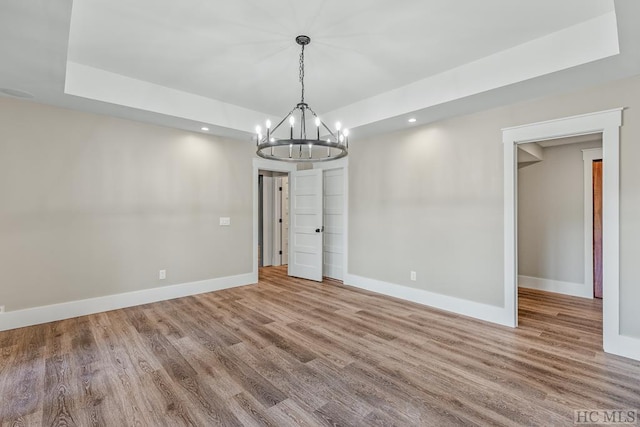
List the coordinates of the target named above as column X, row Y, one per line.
column 273, row 218
column 559, row 243
column 265, row 176
column 608, row 124
column 558, row 236
column 313, row 232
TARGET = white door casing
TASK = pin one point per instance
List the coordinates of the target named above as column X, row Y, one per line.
column 305, row 228
column 608, row 123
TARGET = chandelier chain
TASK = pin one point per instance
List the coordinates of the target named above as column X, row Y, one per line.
column 301, row 78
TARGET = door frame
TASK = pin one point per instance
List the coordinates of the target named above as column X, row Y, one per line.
column 608, row 123
column 266, row 165
column 276, row 166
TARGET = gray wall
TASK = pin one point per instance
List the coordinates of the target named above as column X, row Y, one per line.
column 92, row 205
column 551, row 215
column 430, row 199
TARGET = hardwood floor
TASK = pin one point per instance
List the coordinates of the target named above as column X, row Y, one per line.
column 293, row 352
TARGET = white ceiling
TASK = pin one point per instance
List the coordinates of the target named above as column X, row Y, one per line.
column 371, row 62
column 243, row 52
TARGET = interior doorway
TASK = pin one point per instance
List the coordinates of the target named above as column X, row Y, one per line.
column 607, row 123
column 558, row 228
column 313, row 234
column 273, row 218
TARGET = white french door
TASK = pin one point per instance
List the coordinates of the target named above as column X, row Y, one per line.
column 306, row 228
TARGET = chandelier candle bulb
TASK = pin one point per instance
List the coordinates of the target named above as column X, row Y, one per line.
column 290, row 150
column 292, row 121
column 268, row 125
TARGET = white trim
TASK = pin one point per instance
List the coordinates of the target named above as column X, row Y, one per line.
column 624, row 345
column 489, row 313
column 591, row 123
column 267, row 165
column 608, row 123
column 557, row 286
column 67, row 310
column 588, row 156
column 101, row 85
column 529, row 60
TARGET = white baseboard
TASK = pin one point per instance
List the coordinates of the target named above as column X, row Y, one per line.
column 557, row 286
column 490, row 313
column 50, row 313
column 623, row 345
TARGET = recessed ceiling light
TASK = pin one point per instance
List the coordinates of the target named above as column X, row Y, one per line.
column 16, row 93
column 412, row 120
column 204, row 128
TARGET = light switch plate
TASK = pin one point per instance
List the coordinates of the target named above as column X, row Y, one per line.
column 225, row 221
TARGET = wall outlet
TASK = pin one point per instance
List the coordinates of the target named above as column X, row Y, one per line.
column 413, row 276
column 1, row 308
column 225, row 221
column 162, row 274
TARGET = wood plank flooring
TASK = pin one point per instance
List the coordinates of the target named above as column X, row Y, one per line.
column 290, row 352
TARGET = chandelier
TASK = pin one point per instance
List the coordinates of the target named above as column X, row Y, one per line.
column 320, row 144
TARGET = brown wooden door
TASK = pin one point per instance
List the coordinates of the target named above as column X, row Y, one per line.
column 597, row 228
